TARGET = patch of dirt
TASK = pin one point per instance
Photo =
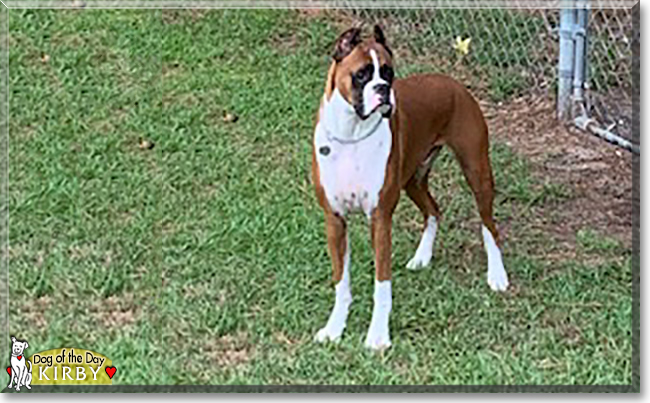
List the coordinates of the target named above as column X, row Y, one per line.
column 171, row 69
column 288, row 344
column 287, row 44
column 25, row 251
column 598, row 175
column 563, row 326
column 188, row 99
column 114, row 319
column 115, row 311
column 79, row 252
column 311, row 12
column 230, row 350
column 15, row 252
column 172, row 17
column 90, row 251
column 204, row 290
column 35, row 311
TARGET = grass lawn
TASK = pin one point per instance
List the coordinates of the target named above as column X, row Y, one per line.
column 203, row 260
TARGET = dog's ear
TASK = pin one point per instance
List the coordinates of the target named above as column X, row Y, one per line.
column 346, row 43
column 379, row 35
column 381, row 38
column 25, row 345
column 13, row 339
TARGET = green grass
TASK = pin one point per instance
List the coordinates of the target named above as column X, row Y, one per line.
column 203, row 260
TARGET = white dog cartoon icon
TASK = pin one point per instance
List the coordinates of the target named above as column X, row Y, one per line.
column 19, row 371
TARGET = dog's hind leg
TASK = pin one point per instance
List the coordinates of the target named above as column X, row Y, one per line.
column 474, row 160
column 417, row 190
column 339, row 248
column 28, row 375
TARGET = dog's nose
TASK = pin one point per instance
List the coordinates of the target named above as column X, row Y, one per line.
column 383, row 90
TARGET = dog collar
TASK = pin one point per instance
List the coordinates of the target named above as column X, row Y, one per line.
column 332, row 137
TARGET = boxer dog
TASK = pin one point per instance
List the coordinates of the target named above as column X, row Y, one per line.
column 375, row 136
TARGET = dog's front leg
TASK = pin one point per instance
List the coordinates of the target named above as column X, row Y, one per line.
column 339, row 249
column 378, row 337
column 19, row 377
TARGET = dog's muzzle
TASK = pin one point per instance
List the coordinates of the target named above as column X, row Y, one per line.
column 384, row 107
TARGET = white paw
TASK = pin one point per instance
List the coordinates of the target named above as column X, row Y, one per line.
column 378, row 339
column 329, row 333
column 10, row 386
column 28, row 387
column 496, row 273
column 424, row 251
column 497, row 279
column 418, row 262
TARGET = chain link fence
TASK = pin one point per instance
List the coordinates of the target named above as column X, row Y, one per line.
column 609, row 77
column 514, row 52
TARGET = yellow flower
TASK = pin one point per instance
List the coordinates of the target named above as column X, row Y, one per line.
column 462, row 45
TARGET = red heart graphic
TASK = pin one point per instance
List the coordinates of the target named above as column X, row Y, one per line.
column 9, row 370
column 20, row 357
column 110, row 371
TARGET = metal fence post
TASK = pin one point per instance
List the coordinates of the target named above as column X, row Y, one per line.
column 582, row 119
column 585, row 24
column 580, row 35
column 565, row 66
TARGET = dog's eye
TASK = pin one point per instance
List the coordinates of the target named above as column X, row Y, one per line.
column 386, row 72
column 364, row 73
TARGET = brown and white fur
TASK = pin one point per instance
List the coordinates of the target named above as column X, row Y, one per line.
column 375, row 136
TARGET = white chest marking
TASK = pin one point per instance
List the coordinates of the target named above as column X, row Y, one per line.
column 353, row 174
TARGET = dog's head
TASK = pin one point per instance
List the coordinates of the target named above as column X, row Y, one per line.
column 363, row 72
column 17, row 346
